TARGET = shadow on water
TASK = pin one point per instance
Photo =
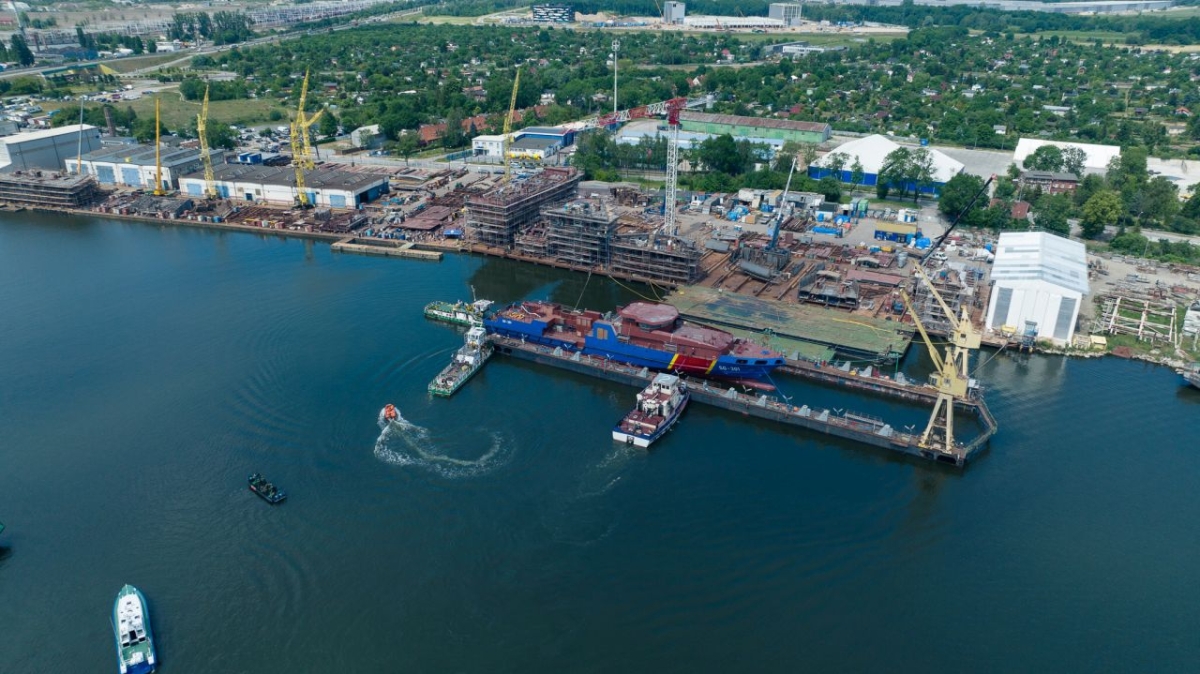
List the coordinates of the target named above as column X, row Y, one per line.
column 5, row 553
column 504, row 281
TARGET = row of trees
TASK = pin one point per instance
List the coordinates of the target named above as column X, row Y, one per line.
column 219, row 27
column 220, row 134
column 97, row 41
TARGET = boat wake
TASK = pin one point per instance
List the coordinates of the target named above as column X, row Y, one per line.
column 403, row 443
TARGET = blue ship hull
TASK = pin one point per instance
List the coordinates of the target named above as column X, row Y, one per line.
column 603, row 342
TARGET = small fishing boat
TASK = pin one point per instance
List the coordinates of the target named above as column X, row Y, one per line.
column 659, row 406
column 131, row 624
column 267, row 491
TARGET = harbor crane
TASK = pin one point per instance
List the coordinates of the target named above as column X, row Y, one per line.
column 508, row 122
column 158, row 184
column 210, row 182
column 302, row 155
column 951, row 376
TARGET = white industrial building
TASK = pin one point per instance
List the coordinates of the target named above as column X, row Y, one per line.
column 1098, row 156
column 134, row 165
column 1040, row 278
column 674, row 12
column 788, row 12
column 872, row 152
column 277, row 184
column 731, row 22
column 48, row 148
column 366, row 137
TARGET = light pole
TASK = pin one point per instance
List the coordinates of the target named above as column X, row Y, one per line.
column 616, row 45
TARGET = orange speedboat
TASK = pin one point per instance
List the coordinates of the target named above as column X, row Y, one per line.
column 390, row 413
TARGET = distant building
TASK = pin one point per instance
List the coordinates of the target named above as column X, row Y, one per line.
column 788, row 12
column 872, row 152
column 755, row 127
column 47, row 149
column 674, row 12
column 134, row 165
column 529, row 147
column 1040, row 278
column 488, row 146
column 1050, row 182
column 1098, row 156
column 554, row 13
column 325, row 187
column 366, row 137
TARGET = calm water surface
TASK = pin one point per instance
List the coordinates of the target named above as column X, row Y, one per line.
column 145, row 371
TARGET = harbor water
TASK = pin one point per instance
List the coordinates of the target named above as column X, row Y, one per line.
column 145, row 371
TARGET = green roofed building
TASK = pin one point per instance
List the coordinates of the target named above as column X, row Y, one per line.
column 755, row 127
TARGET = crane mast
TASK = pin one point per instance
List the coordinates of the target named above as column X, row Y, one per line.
column 670, row 208
column 508, row 122
column 158, row 188
column 301, row 147
column 210, row 183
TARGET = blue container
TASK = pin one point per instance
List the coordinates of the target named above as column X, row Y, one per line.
column 820, row 216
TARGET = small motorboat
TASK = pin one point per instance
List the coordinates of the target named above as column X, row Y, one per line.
column 269, row 493
column 390, row 413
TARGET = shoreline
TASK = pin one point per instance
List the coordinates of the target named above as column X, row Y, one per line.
column 457, row 247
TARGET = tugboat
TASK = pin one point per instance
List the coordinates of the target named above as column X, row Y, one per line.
column 131, row 624
column 471, row 356
column 659, row 406
column 266, row 490
column 457, row 313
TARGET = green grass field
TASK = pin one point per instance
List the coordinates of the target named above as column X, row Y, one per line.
column 178, row 113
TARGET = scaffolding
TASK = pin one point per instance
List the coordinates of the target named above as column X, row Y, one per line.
column 667, row 259
column 579, row 232
column 494, row 218
column 49, row 189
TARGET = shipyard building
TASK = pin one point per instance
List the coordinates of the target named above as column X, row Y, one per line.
column 47, row 149
column 134, row 165
column 274, row 184
column 1039, row 283
column 495, row 217
column 872, row 153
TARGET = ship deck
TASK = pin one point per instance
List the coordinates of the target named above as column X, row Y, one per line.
column 807, row 328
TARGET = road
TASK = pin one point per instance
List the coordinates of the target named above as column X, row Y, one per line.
column 188, row 54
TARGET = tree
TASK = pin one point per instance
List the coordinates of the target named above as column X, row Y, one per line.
column 21, row 51
column 897, row 166
column 857, row 174
column 921, row 171
column 1045, row 158
column 830, row 188
column 808, row 152
column 722, row 154
column 328, row 125
column 406, row 146
column 1050, row 214
column 1101, row 210
column 1090, row 185
column 1073, row 160
column 836, row 163
column 1159, row 201
column 958, row 192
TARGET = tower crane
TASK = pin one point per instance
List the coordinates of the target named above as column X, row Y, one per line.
column 670, row 208
column 210, row 183
column 951, row 376
column 508, row 122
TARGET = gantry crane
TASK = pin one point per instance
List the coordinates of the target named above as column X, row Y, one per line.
column 508, row 122
column 951, row 376
column 210, row 182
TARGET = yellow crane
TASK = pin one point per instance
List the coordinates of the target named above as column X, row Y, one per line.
column 508, row 122
column 951, row 376
column 210, row 182
column 302, row 155
column 158, row 188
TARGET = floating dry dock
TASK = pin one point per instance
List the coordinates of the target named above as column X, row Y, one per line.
column 856, row 427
